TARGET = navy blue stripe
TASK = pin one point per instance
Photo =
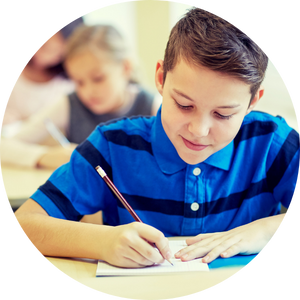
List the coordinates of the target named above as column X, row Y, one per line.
column 61, row 201
column 235, row 200
column 283, row 159
column 178, row 208
column 254, row 129
column 94, row 157
column 169, row 207
column 135, row 142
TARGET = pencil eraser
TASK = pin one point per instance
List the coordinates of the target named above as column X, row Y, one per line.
column 100, row 171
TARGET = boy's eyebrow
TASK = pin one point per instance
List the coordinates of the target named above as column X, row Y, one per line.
column 183, row 95
column 229, row 106
column 187, row 97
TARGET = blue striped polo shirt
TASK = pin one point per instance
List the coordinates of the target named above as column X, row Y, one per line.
column 247, row 180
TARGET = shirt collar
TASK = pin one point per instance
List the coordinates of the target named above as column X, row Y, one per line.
column 222, row 159
column 168, row 159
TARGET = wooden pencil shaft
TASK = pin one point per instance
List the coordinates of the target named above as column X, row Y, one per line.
column 116, row 192
column 121, row 198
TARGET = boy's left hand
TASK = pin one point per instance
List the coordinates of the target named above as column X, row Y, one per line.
column 246, row 239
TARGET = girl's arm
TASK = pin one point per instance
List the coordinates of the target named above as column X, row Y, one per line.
column 34, row 130
column 16, row 152
column 25, row 149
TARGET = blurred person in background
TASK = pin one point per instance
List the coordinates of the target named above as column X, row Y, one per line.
column 106, row 88
column 42, row 81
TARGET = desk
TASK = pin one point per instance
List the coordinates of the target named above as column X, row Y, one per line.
column 20, row 183
column 142, row 287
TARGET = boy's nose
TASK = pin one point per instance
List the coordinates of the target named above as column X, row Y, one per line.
column 199, row 127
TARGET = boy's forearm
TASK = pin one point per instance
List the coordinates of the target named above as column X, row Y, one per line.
column 56, row 237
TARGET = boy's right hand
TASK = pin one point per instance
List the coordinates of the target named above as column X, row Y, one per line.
column 129, row 246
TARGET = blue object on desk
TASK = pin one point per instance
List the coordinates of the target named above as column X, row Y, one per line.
column 237, row 260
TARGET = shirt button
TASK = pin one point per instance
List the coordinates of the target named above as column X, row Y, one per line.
column 196, row 171
column 194, row 206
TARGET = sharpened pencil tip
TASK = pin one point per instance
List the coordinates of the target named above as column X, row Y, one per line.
column 170, row 262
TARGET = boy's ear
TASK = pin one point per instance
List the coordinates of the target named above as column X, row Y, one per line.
column 159, row 73
column 256, row 98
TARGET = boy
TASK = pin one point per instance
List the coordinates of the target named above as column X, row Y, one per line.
column 204, row 166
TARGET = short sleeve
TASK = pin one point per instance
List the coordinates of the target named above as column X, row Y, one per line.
column 75, row 189
column 283, row 172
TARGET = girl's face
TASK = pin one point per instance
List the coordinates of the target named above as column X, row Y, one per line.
column 100, row 81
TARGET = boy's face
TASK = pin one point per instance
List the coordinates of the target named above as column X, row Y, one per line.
column 202, row 110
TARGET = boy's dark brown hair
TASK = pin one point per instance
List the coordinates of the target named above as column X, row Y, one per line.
column 202, row 38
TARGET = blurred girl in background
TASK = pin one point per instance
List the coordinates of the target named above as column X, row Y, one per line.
column 98, row 62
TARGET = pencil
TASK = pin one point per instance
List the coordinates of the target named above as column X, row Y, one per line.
column 110, row 184
column 56, row 133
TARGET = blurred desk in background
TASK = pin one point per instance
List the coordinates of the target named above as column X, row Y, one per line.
column 20, row 183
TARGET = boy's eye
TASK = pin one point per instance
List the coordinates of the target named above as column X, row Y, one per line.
column 223, row 117
column 187, row 107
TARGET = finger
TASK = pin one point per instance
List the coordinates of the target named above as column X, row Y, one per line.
column 157, row 238
column 183, row 251
column 138, row 258
column 223, row 249
column 151, row 252
column 199, row 237
column 142, row 252
column 199, row 249
column 129, row 263
column 127, row 257
column 130, row 251
column 193, row 253
column 130, row 240
column 231, row 251
column 164, row 248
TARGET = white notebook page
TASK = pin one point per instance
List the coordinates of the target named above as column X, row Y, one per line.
column 105, row 269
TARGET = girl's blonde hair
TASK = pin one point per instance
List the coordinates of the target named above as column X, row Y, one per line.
column 102, row 37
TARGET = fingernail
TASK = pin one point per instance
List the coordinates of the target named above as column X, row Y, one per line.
column 224, row 254
column 185, row 256
column 168, row 255
column 177, row 254
column 205, row 259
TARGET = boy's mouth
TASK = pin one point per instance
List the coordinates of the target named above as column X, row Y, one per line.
column 193, row 146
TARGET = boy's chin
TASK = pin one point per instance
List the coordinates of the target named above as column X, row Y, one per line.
column 193, row 159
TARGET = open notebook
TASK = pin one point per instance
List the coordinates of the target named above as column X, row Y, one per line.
column 105, row 269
